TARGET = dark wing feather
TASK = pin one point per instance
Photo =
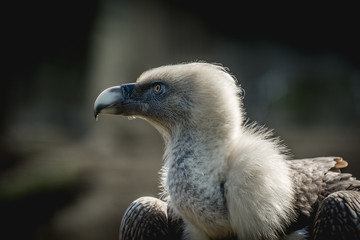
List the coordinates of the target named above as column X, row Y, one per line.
column 338, row 217
column 320, row 189
column 150, row 218
column 145, row 218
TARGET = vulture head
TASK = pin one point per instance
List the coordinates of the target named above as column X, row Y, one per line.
column 175, row 97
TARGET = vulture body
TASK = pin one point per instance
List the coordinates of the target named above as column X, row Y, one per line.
column 222, row 177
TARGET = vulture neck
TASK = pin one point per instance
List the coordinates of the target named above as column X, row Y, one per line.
column 194, row 175
column 201, row 144
column 208, row 136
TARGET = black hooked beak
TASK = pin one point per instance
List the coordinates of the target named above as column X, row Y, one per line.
column 114, row 100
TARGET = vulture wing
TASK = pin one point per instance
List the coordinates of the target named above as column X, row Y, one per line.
column 325, row 198
column 338, row 217
column 150, row 218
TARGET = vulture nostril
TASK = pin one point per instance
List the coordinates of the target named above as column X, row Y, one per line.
column 127, row 89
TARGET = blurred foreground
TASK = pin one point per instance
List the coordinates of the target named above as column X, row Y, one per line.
column 65, row 176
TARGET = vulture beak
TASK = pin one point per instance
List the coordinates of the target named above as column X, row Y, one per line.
column 115, row 100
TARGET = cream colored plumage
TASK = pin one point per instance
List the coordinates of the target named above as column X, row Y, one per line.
column 224, row 178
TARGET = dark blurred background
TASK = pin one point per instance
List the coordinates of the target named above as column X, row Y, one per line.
column 65, row 176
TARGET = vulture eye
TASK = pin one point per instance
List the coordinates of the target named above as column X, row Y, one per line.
column 157, row 88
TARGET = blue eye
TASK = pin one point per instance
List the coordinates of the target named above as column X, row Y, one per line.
column 157, row 88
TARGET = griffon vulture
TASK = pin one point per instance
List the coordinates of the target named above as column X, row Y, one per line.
column 224, row 178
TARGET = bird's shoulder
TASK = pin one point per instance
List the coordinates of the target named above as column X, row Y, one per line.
column 315, row 178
